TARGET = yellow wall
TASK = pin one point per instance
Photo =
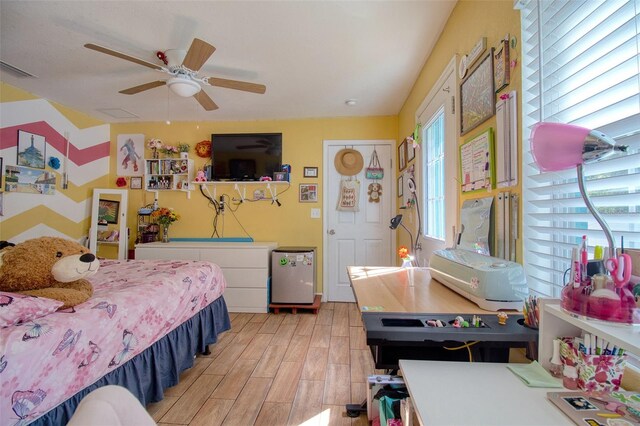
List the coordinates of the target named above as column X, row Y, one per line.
column 289, row 224
column 469, row 21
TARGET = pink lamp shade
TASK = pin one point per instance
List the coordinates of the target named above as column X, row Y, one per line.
column 557, row 146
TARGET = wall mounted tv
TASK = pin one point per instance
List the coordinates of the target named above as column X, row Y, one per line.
column 245, row 156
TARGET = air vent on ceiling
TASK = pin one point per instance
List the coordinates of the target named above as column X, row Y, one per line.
column 117, row 113
column 14, row 70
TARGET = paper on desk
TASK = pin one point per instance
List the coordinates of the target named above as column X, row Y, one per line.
column 534, row 375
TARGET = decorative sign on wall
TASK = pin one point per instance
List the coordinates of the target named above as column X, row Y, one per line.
column 477, row 168
column 477, row 97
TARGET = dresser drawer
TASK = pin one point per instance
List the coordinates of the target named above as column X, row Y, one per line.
column 246, row 299
column 167, row 254
column 236, row 277
column 236, row 258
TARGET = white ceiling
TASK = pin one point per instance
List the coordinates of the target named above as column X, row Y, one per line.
column 311, row 55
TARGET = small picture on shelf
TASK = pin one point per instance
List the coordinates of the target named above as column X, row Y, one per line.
column 281, row 176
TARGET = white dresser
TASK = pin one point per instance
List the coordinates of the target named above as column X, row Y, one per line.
column 246, row 267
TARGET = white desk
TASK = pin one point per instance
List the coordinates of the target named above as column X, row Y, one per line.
column 460, row 393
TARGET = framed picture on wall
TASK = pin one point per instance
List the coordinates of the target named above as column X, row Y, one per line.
column 308, row 193
column 311, row 172
column 477, row 95
column 402, row 155
column 400, row 186
column 135, row 182
column 31, row 150
column 501, row 65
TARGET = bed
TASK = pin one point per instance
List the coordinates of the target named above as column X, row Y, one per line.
column 144, row 324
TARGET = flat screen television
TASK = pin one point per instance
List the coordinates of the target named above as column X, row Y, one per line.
column 245, row 156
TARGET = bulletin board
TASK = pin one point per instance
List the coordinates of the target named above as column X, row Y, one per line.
column 477, row 163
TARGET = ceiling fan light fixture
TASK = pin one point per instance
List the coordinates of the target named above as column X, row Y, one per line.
column 183, row 87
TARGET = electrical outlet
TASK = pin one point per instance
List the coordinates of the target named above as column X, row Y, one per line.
column 222, row 204
column 315, row 213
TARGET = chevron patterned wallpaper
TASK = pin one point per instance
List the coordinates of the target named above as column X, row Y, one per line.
column 66, row 213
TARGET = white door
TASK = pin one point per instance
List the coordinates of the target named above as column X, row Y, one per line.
column 438, row 167
column 360, row 238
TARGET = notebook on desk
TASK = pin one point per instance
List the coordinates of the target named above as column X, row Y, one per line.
column 614, row 409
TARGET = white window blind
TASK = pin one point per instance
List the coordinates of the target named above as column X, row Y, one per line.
column 580, row 65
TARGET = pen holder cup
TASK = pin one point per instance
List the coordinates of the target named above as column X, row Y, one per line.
column 590, row 373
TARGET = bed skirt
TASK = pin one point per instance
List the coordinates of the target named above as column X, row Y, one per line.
column 158, row 367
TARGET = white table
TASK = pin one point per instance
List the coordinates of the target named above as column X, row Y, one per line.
column 461, row 393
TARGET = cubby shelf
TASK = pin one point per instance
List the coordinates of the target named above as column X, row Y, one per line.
column 168, row 174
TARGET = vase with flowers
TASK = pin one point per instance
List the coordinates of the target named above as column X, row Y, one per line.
column 183, row 148
column 154, row 145
column 169, row 150
column 407, row 263
column 165, row 217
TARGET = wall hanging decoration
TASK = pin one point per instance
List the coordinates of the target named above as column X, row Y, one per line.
column 348, row 162
column 311, row 172
column 130, row 155
column 375, row 192
column 135, row 182
column 29, row 181
column 203, row 149
column 308, row 193
column 120, row 182
column 54, row 163
column 400, row 186
column 402, row 155
column 375, row 170
column 31, row 150
column 477, row 95
column 477, row 168
column 348, row 195
column 501, row 68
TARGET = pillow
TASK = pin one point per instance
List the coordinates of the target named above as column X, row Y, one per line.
column 19, row 308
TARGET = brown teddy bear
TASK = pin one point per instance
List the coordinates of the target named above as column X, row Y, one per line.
column 49, row 267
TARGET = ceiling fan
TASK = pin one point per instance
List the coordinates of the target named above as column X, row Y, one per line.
column 183, row 69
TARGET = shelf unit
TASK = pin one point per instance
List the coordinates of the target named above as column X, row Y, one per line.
column 240, row 187
column 168, row 174
column 554, row 322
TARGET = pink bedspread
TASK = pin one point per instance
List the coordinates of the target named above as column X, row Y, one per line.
column 135, row 303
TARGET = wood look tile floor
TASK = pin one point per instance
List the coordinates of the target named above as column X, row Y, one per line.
column 275, row 370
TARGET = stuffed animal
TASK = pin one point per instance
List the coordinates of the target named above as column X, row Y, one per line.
column 375, row 190
column 200, row 176
column 49, row 267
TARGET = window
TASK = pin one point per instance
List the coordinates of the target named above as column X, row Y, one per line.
column 433, row 165
column 581, row 66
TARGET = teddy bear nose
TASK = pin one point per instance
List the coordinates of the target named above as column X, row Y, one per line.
column 87, row 258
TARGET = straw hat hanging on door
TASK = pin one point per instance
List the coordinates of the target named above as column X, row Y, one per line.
column 348, row 162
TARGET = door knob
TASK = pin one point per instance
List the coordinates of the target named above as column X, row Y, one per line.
column 331, row 232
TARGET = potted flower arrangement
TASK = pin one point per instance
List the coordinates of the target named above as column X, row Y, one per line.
column 183, row 148
column 154, row 145
column 165, row 217
column 169, row 150
column 406, row 258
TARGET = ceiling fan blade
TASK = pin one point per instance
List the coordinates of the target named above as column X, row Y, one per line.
column 204, row 100
column 198, row 54
column 237, row 85
column 142, row 87
column 122, row 56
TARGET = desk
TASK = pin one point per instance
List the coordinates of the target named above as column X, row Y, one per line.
column 456, row 393
column 384, row 293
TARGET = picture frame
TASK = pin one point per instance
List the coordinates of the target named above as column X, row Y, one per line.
column 477, row 95
column 400, row 186
column 130, row 155
column 308, row 193
column 108, row 212
column 411, row 151
column 281, row 176
column 402, row 155
column 135, row 182
column 310, row 172
column 31, row 150
column 501, row 68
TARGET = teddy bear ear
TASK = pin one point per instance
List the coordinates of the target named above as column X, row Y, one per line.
column 4, row 244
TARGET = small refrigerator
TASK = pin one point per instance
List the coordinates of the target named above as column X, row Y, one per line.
column 293, row 275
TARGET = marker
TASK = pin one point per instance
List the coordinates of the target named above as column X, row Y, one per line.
column 598, row 253
column 598, row 345
column 575, row 267
column 587, row 344
column 584, row 259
